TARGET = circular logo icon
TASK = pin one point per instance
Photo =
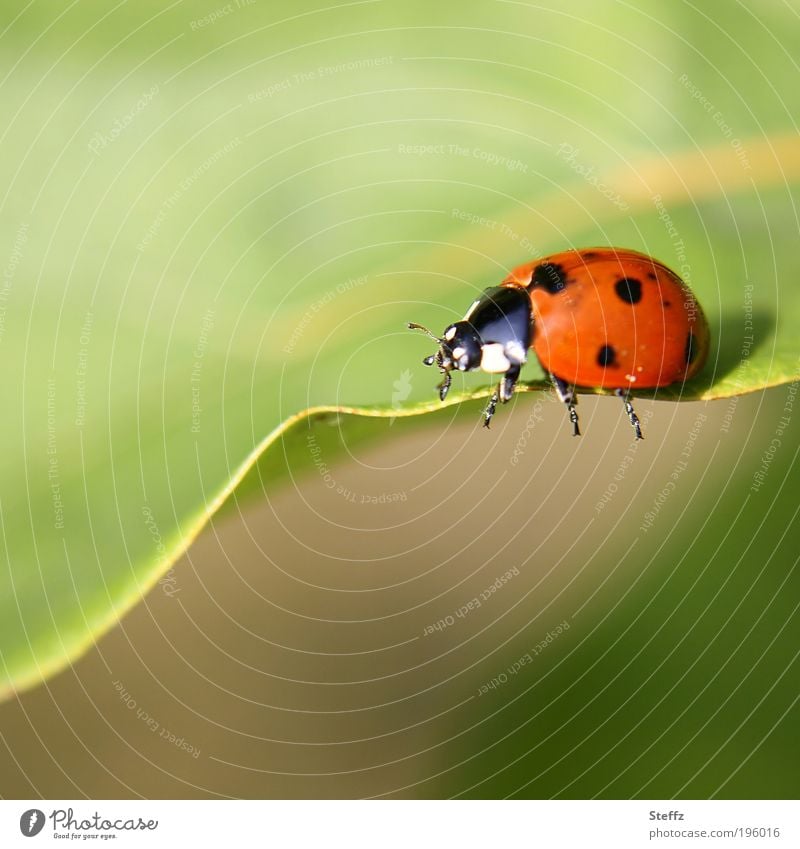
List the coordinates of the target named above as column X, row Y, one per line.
column 31, row 822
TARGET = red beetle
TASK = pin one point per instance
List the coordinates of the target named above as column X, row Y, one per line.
column 611, row 318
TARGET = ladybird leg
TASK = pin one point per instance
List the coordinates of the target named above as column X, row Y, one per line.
column 508, row 383
column 632, row 417
column 504, row 393
column 444, row 386
column 490, row 408
column 567, row 396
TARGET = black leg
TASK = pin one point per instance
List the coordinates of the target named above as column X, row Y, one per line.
column 504, row 393
column 632, row 417
column 444, row 386
column 447, row 379
column 490, row 408
column 508, row 383
column 567, row 396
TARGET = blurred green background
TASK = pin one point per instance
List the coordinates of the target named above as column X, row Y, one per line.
column 216, row 215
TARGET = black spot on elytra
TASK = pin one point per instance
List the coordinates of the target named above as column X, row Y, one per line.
column 606, row 356
column 690, row 351
column 549, row 276
column 629, row 289
column 652, row 275
column 667, row 303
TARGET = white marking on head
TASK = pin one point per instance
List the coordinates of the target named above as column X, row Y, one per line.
column 460, row 358
column 450, row 333
column 493, row 359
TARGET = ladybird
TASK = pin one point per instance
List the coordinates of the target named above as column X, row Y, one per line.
column 609, row 318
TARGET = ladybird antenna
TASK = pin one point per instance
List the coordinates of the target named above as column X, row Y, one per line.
column 413, row 326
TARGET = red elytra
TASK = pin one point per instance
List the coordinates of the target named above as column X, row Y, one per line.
column 613, row 318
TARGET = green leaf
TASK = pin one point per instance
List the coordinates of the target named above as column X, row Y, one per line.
column 211, row 226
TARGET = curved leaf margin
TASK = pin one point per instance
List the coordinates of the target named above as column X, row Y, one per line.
column 24, row 679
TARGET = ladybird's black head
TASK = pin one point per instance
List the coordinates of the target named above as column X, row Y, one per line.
column 459, row 349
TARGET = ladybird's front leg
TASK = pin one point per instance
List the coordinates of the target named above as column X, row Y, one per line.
column 508, row 383
column 490, row 408
column 504, row 393
column 444, row 387
column 566, row 395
